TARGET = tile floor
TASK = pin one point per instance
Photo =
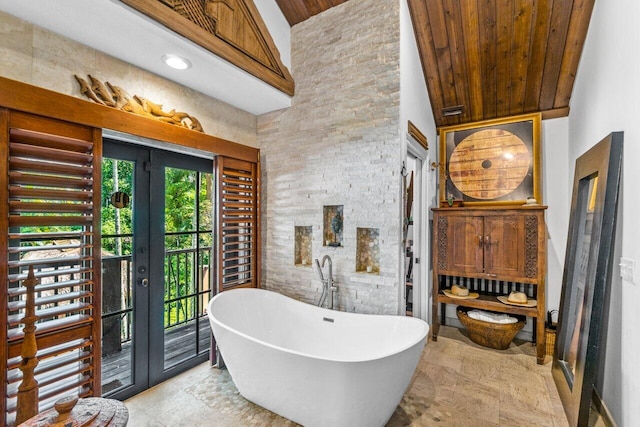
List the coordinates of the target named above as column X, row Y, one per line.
column 457, row 383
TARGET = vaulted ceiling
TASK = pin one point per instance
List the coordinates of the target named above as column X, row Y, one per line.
column 481, row 59
column 486, row 59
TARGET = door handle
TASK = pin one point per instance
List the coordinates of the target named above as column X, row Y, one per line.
column 144, row 282
column 490, row 242
column 480, row 241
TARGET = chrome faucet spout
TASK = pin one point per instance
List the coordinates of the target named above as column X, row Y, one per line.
column 328, row 285
column 325, row 259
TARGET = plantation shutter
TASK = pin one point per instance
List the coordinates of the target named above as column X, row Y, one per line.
column 49, row 170
column 237, row 223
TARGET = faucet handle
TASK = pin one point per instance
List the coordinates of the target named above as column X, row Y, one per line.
column 322, row 279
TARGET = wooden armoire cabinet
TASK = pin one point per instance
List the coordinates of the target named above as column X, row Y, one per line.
column 492, row 251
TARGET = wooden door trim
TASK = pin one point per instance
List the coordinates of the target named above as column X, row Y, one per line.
column 36, row 100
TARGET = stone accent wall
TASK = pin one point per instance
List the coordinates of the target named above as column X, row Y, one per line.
column 338, row 144
column 37, row 56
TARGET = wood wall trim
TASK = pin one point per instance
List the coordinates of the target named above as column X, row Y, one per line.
column 97, row 261
column 417, row 135
column 4, row 245
column 32, row 99
column 555, row 113
column 257, row 250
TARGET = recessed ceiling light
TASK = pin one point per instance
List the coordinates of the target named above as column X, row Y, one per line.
column 177, row 62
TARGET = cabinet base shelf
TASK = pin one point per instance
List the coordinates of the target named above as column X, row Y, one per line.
column 490, row 303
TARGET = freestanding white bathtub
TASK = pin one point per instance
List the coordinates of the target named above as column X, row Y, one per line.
column 315, row 366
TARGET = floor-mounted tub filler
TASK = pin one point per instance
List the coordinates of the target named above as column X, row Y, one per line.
column 315, row 366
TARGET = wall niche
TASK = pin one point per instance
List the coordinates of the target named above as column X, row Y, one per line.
column 368, row 250
column 333, row 218
column 303, row 237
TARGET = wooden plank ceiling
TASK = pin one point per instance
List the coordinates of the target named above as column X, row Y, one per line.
column 490, row 59
column 296, row 11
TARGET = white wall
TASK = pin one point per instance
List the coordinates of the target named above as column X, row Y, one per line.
column 278, row 28
column 416, row 107
column 556, row 194
column 414, row 99
column 605, row 99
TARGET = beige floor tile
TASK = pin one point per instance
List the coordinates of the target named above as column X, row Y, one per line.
column 457, row 383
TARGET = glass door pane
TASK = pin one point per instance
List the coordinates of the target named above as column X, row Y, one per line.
column 117, row 273
column 187, row 262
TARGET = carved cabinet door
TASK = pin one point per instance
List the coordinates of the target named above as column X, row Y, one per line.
column 459, row 245
column 488, row 245
column 504, row 246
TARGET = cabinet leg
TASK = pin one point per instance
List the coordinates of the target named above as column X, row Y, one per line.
column 435, row 330
column 541, row 345
column 435, row 324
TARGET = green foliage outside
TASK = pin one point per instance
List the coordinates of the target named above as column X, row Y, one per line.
column 182, row 209
column 180, row 218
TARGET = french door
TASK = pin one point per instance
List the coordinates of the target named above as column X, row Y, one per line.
column 156, row 269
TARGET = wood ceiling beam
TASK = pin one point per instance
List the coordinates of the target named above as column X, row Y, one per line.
column 520, row 52
column 458, row 53
column 426, row 50
column 504, row 28
column 443, row 62
column 471, row 34
column 540, row 36
column 555, row 47
column 488, row 36
column 576, row 35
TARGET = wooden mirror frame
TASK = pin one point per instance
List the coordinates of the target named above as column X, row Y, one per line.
column 587, row 275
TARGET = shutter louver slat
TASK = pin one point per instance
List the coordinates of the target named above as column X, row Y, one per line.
column 53, row 299
column 33, row 166
column 237, row 223
column 51, row 273
column 72, row 260
column 44, row 220
column 41, row 139
column 39, row 154
column 54, row 286
column 14, row 321
column 51, row 326
column 52, row 235
column 54, row 352
column 54, row 377
column 46, row 365
column 18, row 249
column 48, row 194
column 51, row 169
column 48, row 395
column 21, row 178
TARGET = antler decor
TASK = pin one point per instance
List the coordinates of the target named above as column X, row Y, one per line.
column 116, row 97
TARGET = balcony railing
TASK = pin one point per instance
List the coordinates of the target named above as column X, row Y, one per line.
column 187, row 291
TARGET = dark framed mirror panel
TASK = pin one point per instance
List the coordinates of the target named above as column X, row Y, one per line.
column 587, row 275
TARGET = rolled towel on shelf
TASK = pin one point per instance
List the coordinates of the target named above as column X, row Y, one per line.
column 487, row 316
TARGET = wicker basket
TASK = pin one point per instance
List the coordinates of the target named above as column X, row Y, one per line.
column 493, row 335
column 550, row 335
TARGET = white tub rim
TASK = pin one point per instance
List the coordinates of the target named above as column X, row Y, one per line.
column 397, row 350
